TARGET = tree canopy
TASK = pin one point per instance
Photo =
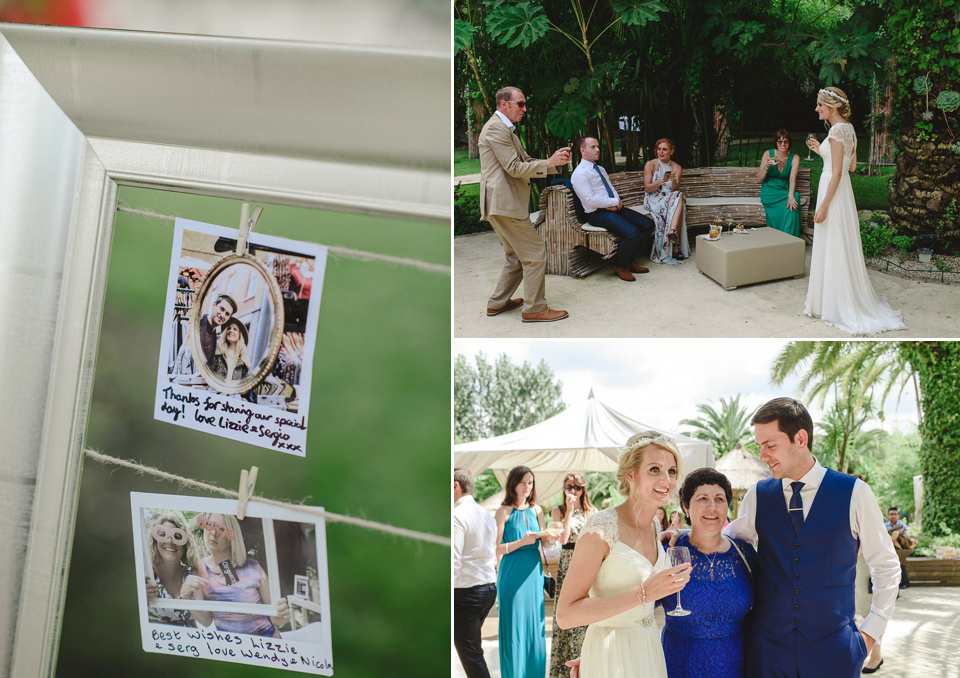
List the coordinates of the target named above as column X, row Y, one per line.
column 669, row 67
column 863, row 368
column 490, row 399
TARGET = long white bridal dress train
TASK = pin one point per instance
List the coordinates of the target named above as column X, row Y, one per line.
column 840, row 292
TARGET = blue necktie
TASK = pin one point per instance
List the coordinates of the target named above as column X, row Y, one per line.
column 604, row 180
column 796, row 507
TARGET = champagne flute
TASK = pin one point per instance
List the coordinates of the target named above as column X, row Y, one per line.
column 678, row 555
column 810, row 137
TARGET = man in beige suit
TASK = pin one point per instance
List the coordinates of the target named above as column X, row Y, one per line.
column 505, row 172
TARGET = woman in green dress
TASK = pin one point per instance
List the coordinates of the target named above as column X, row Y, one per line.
column 778, row 190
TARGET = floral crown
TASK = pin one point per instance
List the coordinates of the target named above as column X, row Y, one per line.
column 834, row 95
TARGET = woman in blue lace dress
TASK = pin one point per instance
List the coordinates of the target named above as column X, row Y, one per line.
column 720, row 591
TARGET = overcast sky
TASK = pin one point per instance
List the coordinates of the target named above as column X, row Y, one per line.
column 661, row 381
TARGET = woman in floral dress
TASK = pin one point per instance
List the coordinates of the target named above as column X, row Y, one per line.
column 664, row 201
column 574, row 511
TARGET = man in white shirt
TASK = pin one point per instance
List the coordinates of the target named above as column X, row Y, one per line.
column 474, row 573
column 604, row 208
column 810, row 522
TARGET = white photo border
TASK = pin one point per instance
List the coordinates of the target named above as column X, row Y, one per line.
column 185, row 406
column 208, row 643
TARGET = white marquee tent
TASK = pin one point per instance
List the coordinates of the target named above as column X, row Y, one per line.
column 587, row 436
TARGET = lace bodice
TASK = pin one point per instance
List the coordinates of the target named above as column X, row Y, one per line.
column 845, row 134
column 604, row 524
column 622, row 569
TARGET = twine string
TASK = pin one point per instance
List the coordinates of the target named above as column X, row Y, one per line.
column 346, row 252
column 233, row 494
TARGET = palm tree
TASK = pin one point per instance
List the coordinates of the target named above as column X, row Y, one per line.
column 856, row 366
column 932, row 367
column 842, row 443
column 724, row 426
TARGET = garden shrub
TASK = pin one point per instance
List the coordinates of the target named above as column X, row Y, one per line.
column 876, row 235
column 927, row 546
column 466, row 213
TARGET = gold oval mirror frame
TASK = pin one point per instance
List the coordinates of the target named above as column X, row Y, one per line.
column 256, row 310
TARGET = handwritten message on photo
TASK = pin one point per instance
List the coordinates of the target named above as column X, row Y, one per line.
column 252, row 591
column 238, row 336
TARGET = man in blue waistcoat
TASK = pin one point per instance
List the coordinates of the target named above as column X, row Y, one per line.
column 809, row 523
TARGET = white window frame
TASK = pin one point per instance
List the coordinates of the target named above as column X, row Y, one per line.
column 362, row 130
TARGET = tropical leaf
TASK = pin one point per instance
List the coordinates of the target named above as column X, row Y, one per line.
column 463, row 35
column 568, row 118
column 591, row 81
column 724, row 426
column 518, row 25
column 638, row 12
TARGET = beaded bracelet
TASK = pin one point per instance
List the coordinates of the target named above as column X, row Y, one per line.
column 641, row 595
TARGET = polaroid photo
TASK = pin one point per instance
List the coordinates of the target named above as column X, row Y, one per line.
column 252, row 591
column 238, row 336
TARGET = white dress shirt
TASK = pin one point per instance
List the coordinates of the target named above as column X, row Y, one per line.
column 590, row 189
column 474, row 544
column 506, row 120
column 866, row 524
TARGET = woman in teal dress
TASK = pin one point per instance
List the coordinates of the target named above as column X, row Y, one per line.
column 778, row 190
column 520, row 526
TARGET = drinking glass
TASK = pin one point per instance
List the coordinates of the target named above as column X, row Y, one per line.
column 554, row 529
column 809, row 137
column 678, row 555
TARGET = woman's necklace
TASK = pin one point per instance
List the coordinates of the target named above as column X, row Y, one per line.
column 713, row 560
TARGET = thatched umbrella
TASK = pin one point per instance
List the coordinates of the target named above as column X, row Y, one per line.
column 743, row 470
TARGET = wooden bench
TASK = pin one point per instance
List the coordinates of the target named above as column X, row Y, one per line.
column 933, row 572
column 708, row 191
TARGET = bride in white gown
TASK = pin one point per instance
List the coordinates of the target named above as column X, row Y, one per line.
column 619, row 569
column 840, row 293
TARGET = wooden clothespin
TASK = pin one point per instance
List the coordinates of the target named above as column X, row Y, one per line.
column 247, row 224
column 248, row 480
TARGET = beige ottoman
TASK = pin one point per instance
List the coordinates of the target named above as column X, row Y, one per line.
column 755, row 256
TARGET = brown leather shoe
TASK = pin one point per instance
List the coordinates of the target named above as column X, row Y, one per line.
column 509, row 306
column 623, row 274
column 547, row 316
column 637, row 268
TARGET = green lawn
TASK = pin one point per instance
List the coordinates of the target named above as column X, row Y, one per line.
column 470, row 190
column 870, row 192
column 464, row 165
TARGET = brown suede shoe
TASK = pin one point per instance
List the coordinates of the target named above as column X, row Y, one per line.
column 623, row 274
column 637, row 268
column 509, row 306
column 547, row 316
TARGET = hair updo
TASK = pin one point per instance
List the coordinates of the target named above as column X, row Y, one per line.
column 633, row 453
column 825, row 98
